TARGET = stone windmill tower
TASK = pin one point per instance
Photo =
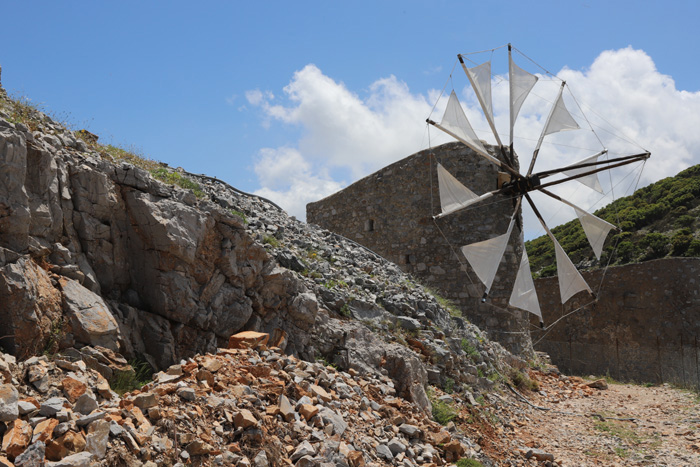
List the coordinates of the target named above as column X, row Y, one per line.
column 390, row 212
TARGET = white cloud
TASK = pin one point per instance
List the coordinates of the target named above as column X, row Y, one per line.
column 288, row 180
column 352, row 134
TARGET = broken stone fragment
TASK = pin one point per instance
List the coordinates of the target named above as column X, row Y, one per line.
column 212, row 364
column 245, row 419
column 411, row 431
column 319, row 392
column 9, row 399
column 303, row 449
column 356, row 459
column 396, row 446
column 200, row 448
column 186, row 393
column 598, row 384
column 540, row 455
column 44, row 430
column 91, row 417
column 97, row 439
column 248, row 340
column 384, row 452
column 145, row 400
column 51, row 406
column 81, row 459
column 72, row 388
column 286, row 409
column 16, row 438
column 308, row 411
column 33, row 456
column 26, row 407
column 85, row 404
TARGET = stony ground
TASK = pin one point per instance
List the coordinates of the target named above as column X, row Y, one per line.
column 622, row 425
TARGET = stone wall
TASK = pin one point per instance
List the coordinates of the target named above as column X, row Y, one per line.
column 391, row 213
column 644, row 327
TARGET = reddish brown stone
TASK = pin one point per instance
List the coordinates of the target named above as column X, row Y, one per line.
column 308, row 411
column 43, row 430
column 17, row 438
column 72, row 388
column 69, row 443
column 248, row 340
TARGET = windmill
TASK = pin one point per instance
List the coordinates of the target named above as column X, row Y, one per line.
column 484, row 257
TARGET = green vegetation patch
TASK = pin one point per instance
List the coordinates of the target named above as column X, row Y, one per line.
column 657, row 221
column 175, row 178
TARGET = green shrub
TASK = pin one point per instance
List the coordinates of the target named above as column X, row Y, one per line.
column 693, row 249
column 465, row 462
column 469, row 349
column 175, row 178
column 272, row 241
column 138, row 376
column 443, row 413
column 239, row 214
column 449, row 385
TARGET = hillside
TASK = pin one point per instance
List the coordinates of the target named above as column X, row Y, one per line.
column 657, row 221
column 118, row 271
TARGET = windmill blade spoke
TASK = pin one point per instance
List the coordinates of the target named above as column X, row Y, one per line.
column 599, row 165
column 626, row 161
column 570, row 280
column 595, row 228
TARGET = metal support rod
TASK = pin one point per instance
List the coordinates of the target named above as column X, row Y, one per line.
column 591, row 172
column 606, row 163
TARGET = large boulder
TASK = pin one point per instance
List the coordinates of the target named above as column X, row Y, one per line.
column 90, row 318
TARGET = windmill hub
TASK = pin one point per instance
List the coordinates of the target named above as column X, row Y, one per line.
column 518, row 185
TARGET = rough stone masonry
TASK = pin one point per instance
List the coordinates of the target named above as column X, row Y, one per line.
column 390, row 212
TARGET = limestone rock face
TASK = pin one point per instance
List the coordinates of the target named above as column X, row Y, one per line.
column 30, row 304
column 14, row 203
column 129, row 263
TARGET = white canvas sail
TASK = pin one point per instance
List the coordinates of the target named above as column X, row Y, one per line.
column 570, row 280
column 484, row 257
column 524, row 295
column 480, row 77
column 591, row 181
column 521, row 82
column 455, row 121
column 453, row 194
column 560, row 119
column 596, row 230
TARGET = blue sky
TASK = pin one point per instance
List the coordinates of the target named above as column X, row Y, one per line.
column 265, row 94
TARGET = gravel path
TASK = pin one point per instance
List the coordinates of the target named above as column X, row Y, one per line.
column 623, row 425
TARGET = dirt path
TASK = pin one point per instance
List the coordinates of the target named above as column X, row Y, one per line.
column 622, row 425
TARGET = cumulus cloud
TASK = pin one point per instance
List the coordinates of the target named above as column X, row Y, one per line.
column 346, row 135
column 288, row 179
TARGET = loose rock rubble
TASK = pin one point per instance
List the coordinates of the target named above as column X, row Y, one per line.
column 240, row 406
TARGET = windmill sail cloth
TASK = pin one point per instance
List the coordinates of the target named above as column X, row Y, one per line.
column 596, row 230
column 560, row 119
column 453, row 194
column 455, row 122
column 524, row 295
column 521, row 83
column 484, row 257
column 570, row 280
column 480, row 77
column 591, row 181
